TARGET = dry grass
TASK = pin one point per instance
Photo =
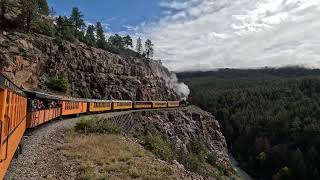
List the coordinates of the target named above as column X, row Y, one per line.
column 114, row 157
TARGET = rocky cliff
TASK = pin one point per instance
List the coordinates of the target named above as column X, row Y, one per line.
column 30, row 60
column 182, row 125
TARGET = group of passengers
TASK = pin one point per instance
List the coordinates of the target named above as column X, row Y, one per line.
column 37, row 104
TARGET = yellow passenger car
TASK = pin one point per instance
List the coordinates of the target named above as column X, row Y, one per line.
column 121, row 105
column 173, row 104
column 159, row 104
column 142, row 105
column 99, row 106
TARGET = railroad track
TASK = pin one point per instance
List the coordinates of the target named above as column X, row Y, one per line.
column 41, row 157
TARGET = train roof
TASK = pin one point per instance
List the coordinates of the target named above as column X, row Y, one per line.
column 144, row 101
column 42, row 95
column 5, row 82
column 121, row 101
column 98, row 100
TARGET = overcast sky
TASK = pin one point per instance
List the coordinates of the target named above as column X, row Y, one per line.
column 211, row 34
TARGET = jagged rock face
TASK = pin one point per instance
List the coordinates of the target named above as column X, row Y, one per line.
column 30, row 60
column 183, row 125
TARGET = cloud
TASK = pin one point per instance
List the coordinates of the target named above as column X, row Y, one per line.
column 211, row 34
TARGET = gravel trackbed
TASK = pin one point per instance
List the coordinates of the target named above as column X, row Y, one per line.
column 42, row 157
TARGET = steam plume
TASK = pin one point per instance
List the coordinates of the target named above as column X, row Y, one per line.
column 180, row 88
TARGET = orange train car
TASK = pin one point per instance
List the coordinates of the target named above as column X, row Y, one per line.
column 159, row 104
column 36, row 117
column 73, row 107
column 13, row 111
column 172, row 104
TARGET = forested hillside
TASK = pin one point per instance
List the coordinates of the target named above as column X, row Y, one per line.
column 270, row 117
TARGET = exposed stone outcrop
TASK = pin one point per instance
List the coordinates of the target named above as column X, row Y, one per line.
column 180, row 126
column 29, row 60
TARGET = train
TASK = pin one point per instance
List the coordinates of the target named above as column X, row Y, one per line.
column 22, row 109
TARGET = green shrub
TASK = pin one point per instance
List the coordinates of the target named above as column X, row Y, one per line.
column 85, row 125
column 66, row 33
column 96, row 126
column 212, row 159
column 59, row 84
column 107, row 127
column 86, row 93
column 193, row 163
column 159, row 146
column 44, row 28
column 198, row 148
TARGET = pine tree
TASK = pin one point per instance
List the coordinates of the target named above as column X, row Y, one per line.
column 149, row 48
column 116, row 41
column 77, row 21
column 90, row 37
column 59, row 23
column 28, row 9
column 101, row 39
column 43, row 7
column 127, row 41
column 64, row 28
column 139, row 46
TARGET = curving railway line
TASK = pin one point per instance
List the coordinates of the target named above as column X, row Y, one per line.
column 41, row 145
column 24, row 109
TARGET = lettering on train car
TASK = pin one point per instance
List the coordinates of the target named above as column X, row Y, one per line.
column 10, row 85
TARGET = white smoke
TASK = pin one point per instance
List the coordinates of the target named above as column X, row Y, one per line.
column 180, row 88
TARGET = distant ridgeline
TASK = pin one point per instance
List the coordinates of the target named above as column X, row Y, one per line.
column 270, row 117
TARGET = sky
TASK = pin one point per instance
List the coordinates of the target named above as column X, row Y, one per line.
column 191, row 35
